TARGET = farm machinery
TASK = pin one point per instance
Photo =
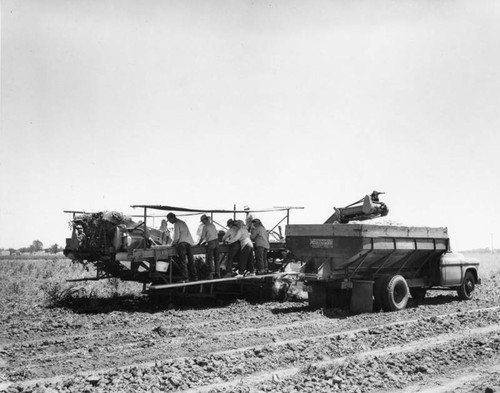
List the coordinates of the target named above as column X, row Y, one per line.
column 366, row 208
column 119, row 247
column 364, row 266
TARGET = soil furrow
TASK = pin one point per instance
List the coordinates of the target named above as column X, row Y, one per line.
column 280, row 374
column 296, row 351
column 460, row 380
column 171, row 376
column 381, row 370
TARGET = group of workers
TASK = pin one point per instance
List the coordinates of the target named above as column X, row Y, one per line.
column 248, row 241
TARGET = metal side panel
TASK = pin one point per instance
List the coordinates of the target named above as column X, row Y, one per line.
column 363, row 230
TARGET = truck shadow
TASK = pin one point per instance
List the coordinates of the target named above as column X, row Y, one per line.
column 343, row 311
column 434, row 300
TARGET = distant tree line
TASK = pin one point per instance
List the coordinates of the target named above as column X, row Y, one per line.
column 485, row 250
column 36, row 246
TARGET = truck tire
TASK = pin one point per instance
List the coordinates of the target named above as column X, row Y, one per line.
column 418, row 293
column 466, row 290
column 395, row 293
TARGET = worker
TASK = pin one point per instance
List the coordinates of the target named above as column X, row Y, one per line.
column 182, row 242
column 260, row 237
column 246, row 256
column 165, row 233
column 232, row 237
column 209, row 237
column 248, row 218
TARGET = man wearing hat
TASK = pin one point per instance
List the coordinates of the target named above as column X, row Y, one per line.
column 182, row 241
column 260, row 237
column 232, row 237
column 248, row 217
column 246, row 254
column 210, row 238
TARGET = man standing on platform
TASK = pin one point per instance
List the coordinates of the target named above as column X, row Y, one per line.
column 260, row 236
column 232, row 237
column 182, row 241
column 209, row 237
column 248, row 217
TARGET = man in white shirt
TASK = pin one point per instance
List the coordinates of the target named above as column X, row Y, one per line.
column 209, row 236
column 246, row 254
column 261, row 238
column 182, row 241
column 248, row 217
column 232, row 237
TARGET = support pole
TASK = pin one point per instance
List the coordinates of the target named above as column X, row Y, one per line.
column 145, row 228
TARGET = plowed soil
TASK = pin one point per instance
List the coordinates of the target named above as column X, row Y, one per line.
column 440, row 345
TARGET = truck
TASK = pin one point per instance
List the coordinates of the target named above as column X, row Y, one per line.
column 378, row 266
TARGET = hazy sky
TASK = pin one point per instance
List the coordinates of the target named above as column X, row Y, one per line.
column 207, row 104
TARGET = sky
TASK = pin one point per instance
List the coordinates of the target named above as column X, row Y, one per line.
column 215, row 103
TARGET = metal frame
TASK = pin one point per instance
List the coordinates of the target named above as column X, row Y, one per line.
column 212, row 211
column 190, row 211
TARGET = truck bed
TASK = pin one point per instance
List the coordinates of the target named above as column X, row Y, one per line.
column 364, row 251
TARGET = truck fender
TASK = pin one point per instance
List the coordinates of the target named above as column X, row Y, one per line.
column 453, row 268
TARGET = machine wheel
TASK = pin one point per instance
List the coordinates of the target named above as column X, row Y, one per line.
column 418, row 293
column 466, row 290
column 395, row 293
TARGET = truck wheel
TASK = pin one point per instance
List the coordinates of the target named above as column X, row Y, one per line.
column 466, row 290
column 395, row 293
column 418, row 294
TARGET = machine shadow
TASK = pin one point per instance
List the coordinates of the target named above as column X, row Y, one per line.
column 128, row 303
column 156, row 304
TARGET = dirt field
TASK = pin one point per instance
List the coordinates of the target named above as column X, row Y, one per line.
column 104, row 337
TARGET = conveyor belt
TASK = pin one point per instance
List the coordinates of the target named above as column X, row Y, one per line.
column 220, row 280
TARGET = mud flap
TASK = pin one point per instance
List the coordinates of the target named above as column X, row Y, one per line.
column 362, row 296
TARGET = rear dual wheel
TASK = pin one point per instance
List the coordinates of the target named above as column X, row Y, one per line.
column 391, row 293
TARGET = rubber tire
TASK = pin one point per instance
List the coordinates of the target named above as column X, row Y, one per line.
column 466, row 289
column 418, row 293
column 395, row 293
